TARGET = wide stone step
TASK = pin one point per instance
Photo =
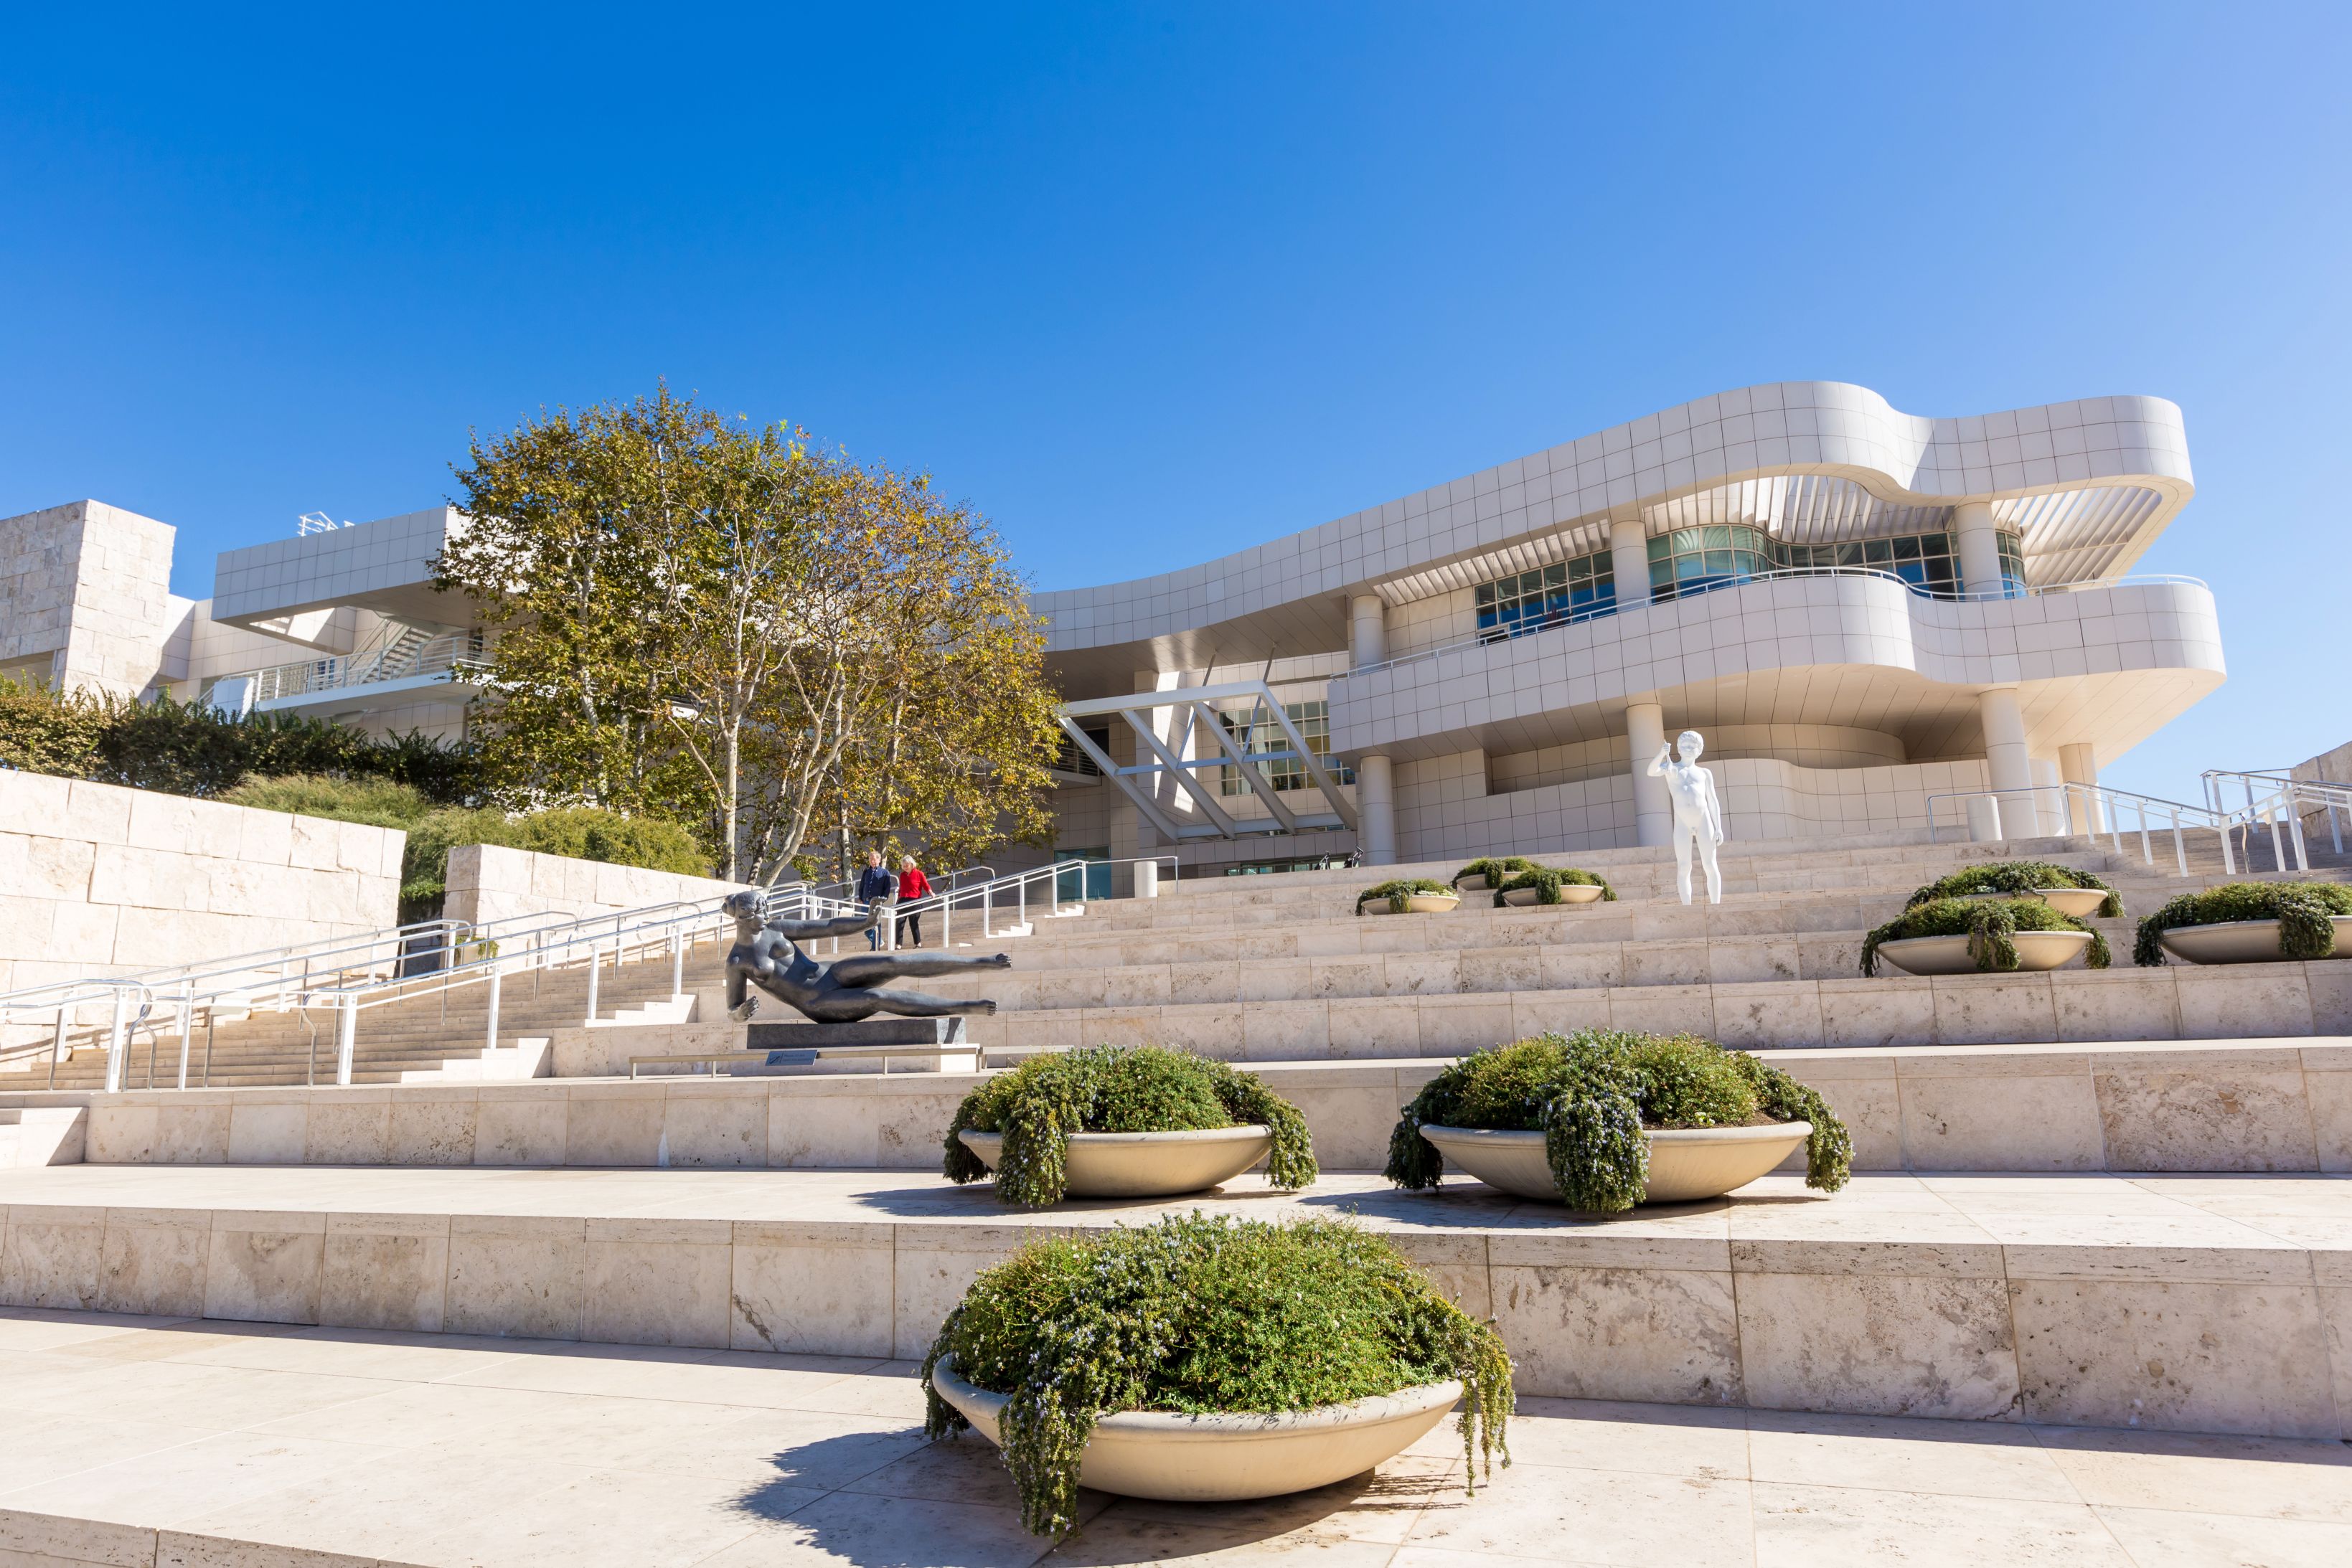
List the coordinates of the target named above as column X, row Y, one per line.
column 2169, row 1302
column 2233, row 1105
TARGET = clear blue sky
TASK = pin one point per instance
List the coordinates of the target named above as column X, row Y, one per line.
column 1147, row 283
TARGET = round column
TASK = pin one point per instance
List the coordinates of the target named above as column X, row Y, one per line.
column 1368, row 630
column 1653, row 809
column 2079, row 764
column 1368, row 644
column 1979, row 552
column 1629, row 559
column 2010, row 767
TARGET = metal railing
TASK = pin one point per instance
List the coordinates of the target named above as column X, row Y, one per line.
column 2281, row 802
column 450, row 654
column 2091, row 809
column 1493, row 635
column 350, row 977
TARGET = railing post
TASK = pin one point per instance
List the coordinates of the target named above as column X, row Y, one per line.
column 2229, row 854
column 2180, row 847
column 58, row 1050
column 595, row 967
column 947, row 928
column 498, row 973
column 187, row 1024
column 2278, row 850
column 347, row 1034
column 2295, row 831
column 987, row 897
column 114, row 1043
column 677, row 962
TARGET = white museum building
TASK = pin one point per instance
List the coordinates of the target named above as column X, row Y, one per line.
column 1869, row 615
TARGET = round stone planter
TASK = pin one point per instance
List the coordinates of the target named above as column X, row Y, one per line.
column 1471, row 884
column 1145, row 1165
column 1685, row 1163
column 1225, row 1458
column 1415, row 903
column 2243, row 942
column 1949, row 955
column 1570, row 892
column 2082, row 902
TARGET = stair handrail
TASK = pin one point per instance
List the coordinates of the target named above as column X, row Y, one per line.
column 2097, row 806
column 2283, row 798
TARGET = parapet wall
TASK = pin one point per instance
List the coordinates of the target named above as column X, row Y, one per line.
column 489, row 882
column 98, row 879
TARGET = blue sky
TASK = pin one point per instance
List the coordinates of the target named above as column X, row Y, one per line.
column 1147, row 283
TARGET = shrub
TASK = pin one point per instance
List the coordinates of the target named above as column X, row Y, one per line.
column 1115, row 1089
column 2301, row 908
column 1496, row 871
column 2014, row 876
column 1991, row 928
column 580, row 832
column 192, row 748
column 1547, row 881
column 1592, row 1094
column 1396, row 894
column 1195, row 1315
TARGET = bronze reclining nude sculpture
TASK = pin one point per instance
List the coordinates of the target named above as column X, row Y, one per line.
column 845, row 990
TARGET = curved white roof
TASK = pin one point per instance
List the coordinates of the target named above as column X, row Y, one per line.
column 2089, row 485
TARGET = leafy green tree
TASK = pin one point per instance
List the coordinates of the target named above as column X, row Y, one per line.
column 727, row 626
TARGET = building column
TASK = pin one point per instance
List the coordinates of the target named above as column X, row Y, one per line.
column 1653, row 807
column 1376, row 810
column 1368, row 644
column 1629, row 559
column 2079, row 764
column 1979, row 552
column 2009, row 767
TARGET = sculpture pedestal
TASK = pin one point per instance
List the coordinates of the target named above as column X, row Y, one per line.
column 794, row 1047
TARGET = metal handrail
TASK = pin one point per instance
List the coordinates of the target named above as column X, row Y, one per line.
column 2101, row 810
column 2288, row 798
column 1952, row 596
column 488, row 951
column 451, row 652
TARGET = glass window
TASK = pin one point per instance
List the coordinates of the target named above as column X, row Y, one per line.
column 1259, row 735
column 1549, row 596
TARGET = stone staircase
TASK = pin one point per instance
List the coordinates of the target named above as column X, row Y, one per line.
column 2056, row 1279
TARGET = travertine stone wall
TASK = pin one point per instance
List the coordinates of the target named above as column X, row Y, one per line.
column 88, row 585
column 489, row 882
column 95, row 878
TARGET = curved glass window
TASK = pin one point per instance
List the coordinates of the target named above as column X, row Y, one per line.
column 1553, row 595
column 1693, row 560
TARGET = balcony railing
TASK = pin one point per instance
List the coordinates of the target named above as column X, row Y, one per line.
column 452, row 655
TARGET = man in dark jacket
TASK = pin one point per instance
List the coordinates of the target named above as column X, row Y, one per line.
column 878, row 889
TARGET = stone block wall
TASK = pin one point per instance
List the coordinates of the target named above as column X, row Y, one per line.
column 85, row 597
column 489, row 882
column 96, row 879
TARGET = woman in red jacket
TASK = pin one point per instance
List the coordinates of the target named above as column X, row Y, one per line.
column 912, row 884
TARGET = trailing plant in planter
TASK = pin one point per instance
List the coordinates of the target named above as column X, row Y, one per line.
column 1991, row 928
column 2302, row 909
column 1199, row 1315
column 1593, row 1093
column 1496, row 870
column 1115, row 1089
column 1547, row 880
column 2022, row 877
column 1398, row 895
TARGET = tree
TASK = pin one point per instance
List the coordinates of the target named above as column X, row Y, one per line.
column 726, row 625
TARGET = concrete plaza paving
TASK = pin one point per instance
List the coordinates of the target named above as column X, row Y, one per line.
column 139, row 1443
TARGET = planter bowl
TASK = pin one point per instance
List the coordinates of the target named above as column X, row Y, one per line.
column 1949, row 955
column 2082, row 902
column 1685, row 1163
column 1225, row 1458
column 1570, row 892
column 1471, row 884
column 1146, row 1164
column 2243, row 942
column 1415, row 903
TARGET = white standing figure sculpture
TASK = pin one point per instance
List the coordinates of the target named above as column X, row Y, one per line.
column 1699, row 814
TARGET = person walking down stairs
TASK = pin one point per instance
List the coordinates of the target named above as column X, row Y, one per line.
column 912, row 884
column 878, row 889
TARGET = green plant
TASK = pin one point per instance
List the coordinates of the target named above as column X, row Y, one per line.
column 43, row 731
column 1115, row 1089
column 1202, row 1315
column 1593, row 1093
column 2014, row 876
column 1991, row 927
column 2301, row 908
column 1398, row 893
column 1547, row 880
column 1495, row 871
